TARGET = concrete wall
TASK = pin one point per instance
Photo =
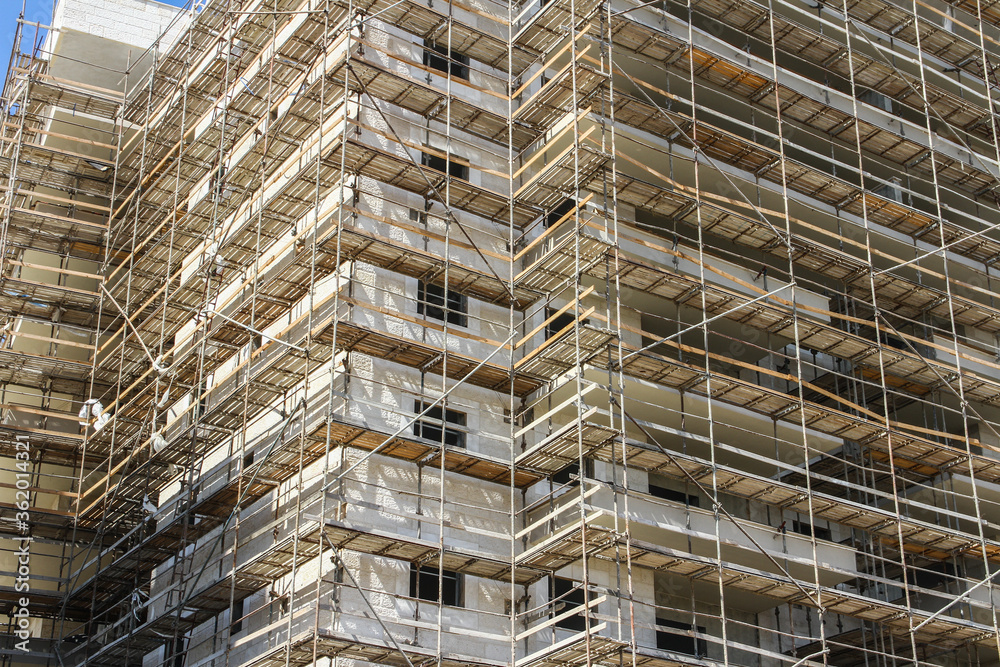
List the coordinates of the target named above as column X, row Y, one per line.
column 134, row 22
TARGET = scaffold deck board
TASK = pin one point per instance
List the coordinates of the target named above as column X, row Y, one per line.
column 430, row 23
column 896, row 294
column 301, row 650
column 48, row 90
column 926, row 539
column 430, row 359
column 565, row 350
column 579, row 539
column 732, row 149
column 363, row 539
column 456, row 459
column 566, row 445
column 917, row 375
column 794, row 37
column 581, row 649
column 909, row 450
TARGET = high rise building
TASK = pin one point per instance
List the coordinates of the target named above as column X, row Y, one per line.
column 470, row 333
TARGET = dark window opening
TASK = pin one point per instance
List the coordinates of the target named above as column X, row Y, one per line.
column 445, row 166
column 440, row 58
column 553, row 216
column 974, row 435
column 526, row 417
column 932, row 575
column 876, row 99
column 202, row 406
column 671, row 494
column 184, row 509
column 247, row 460
column 567, row 598
column 567, row 474
column 139, row 613
column 891, row 191
column 520, row 418
column 677, row 642
column 892, row 341
column 430, row 425
column 239, row 611
column 557, row 323
column 424, row 585
column 418, row 216
column 433, row 302
column 805, row 528
column 218, row 184
column 175, row 648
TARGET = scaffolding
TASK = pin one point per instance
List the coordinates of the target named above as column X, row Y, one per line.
column 538, row 334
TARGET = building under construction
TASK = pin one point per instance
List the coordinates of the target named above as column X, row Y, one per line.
column 470, row 333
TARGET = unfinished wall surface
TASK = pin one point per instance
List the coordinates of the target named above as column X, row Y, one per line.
column 465, row 333
column 136, row 22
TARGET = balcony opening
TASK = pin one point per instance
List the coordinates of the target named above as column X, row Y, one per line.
column 556, row 214
column 571, row 473
column 445, row 166
column 876, row 99
column 174, row 651
column 973, row 433
column 558, row 323
column 567, row 598
column 444, row 60
column 424, row 585
column 239, row 611
column 679, row 642
column 436, row 303
column 893, row 190
column 433, row 425
column 932, row 575
column 943, row 325
column 675, row 496
column 806, row 528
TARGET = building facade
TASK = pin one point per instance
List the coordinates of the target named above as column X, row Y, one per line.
column 472, row 333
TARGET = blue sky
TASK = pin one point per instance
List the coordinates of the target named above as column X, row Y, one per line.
column 34, row 10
